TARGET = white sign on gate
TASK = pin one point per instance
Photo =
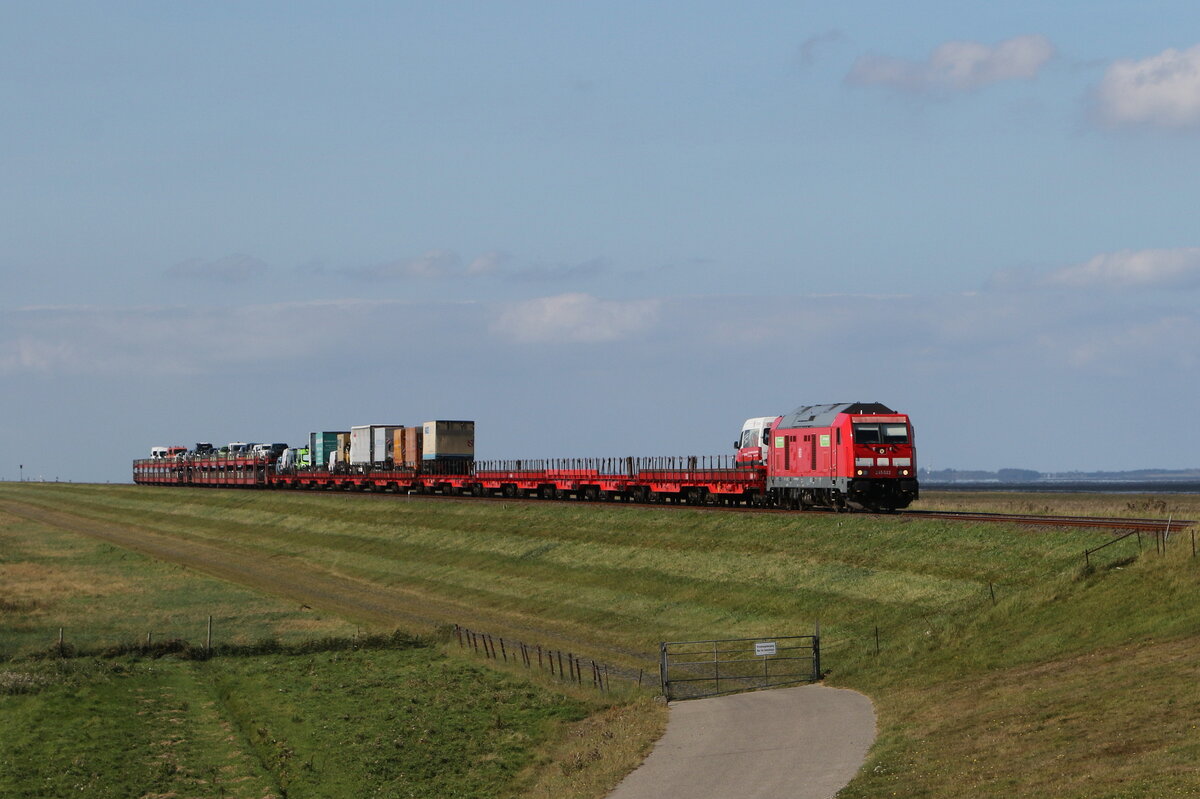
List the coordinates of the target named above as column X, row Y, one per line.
column 764, row 648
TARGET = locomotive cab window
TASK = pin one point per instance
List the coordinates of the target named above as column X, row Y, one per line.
column 880, row 434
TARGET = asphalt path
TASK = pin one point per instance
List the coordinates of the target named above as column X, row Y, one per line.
column 800, row 743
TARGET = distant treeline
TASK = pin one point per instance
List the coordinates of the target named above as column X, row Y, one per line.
column 1031, row 476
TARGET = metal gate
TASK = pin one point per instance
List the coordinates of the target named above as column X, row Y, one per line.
column 694, row 669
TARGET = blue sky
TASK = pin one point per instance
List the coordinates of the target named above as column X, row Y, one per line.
column 599, row 228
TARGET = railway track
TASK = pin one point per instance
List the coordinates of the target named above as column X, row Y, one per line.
column 1092, row 522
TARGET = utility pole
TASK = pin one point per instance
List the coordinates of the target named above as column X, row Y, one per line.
column 22, row 468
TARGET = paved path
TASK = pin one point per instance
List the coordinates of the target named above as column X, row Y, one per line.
column 799, row 743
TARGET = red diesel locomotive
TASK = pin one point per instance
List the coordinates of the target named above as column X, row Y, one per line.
column 847, row 454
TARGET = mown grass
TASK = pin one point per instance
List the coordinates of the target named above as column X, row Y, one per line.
column 1035, row 693
column 101, row 595
column 381, row 722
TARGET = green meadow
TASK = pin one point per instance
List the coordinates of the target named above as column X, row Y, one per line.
column 999, row 665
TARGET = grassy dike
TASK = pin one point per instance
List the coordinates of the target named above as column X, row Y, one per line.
column 296, row 702
column 1071, row 683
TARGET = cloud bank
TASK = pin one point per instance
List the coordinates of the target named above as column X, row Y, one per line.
column 1159, row 91
column 956, row 66
column 1167, row 268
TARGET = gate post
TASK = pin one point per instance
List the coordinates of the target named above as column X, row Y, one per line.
column 816, row 675
column 662, row 670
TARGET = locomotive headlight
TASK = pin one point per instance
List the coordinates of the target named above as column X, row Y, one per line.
column 859, row 473
column 904, row 472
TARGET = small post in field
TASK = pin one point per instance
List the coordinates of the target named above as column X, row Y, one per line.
column 877, row 640
column 208, row 637
column 992, row 591
column 60, row 640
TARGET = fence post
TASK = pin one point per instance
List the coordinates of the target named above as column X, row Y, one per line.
column 663, row 683
column 208, row 637
column 60, row 641
column 876, row 640
column 816, row 675
column 992, row 591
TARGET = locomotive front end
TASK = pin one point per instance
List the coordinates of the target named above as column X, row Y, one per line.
column 884, row 466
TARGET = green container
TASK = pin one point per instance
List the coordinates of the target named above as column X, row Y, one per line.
column 322, row 445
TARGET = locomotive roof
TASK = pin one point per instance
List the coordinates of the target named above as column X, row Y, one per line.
column 823, row 415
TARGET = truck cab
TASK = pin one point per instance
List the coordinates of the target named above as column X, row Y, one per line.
column 754, row 442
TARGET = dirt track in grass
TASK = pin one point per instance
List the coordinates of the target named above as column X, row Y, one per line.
column 384, row 607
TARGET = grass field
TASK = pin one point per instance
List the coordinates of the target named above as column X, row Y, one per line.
column 383, row 722
column 337, row 715
column 1149, row 506
column 1071, row 683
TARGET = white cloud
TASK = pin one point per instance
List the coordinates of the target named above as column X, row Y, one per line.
column 957, row 65
column 237, row 268
column 575, row 318
column 1165, row 268
column 1163, row 90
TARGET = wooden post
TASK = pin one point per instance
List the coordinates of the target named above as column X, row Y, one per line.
column 60, row 640
column 503, row 651
column 876, row 640
column 560, row 671
column 208, row 637
column 148, row 636
column 992, row 591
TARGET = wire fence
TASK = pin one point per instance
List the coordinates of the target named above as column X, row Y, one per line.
column 565, row 666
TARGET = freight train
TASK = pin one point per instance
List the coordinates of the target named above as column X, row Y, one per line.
column 839, row 456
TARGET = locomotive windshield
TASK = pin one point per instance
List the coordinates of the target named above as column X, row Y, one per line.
column 880, row 434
